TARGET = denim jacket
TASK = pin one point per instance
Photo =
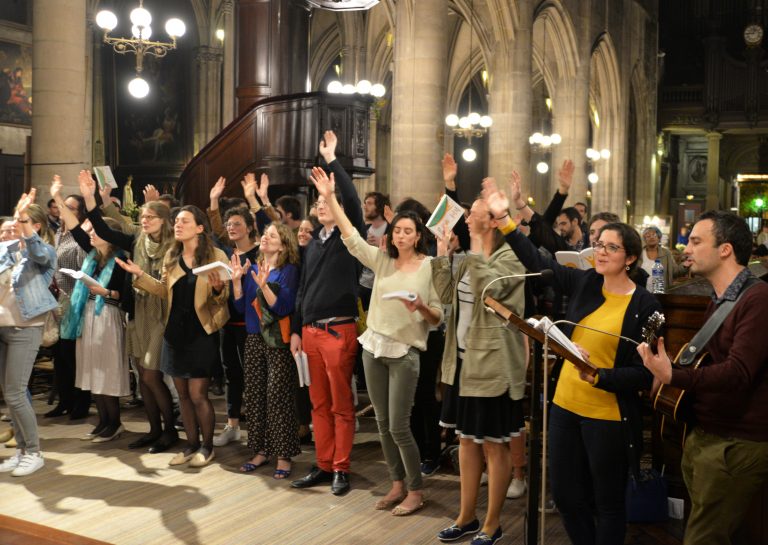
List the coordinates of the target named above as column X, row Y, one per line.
column 31, row 279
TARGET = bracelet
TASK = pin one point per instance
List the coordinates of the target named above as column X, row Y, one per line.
column 524, row 206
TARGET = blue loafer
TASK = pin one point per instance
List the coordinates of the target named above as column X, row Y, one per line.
column 452, row 533
column 484, row 539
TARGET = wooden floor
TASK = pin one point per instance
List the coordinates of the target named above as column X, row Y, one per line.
column 109, row 493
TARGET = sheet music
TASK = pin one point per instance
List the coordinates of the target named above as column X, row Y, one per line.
column 545, row 326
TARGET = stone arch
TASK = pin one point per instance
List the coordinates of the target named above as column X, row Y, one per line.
column 605, row 100
column 553, row 27
column 323, row 52
column 466, row 61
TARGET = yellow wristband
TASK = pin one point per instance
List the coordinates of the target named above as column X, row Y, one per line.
column 508, row 227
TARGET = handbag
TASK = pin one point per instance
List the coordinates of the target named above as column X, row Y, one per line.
column 53, row 317
column 646, row 497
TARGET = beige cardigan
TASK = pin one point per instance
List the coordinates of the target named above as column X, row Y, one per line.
column 211, row 309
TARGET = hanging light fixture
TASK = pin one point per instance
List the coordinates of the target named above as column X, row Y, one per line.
column 473, row 125
column 139, row 44
column 543, row 140
column 362, row 87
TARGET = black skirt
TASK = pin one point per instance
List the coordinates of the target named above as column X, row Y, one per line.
column 494, row 419
column 196, row 359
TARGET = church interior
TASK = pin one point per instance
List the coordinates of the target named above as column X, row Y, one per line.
column 661, row 106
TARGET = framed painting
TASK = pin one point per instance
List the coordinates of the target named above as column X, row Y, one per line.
column 15, row 84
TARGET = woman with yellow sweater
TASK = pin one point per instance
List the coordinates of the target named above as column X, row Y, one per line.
column 397, row 330
column 595, row 426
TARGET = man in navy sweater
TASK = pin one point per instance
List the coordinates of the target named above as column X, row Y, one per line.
column 324, row 326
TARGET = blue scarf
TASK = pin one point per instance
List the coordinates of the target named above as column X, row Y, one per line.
column 72, row 323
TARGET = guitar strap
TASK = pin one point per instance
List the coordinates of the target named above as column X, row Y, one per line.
column 699, row 341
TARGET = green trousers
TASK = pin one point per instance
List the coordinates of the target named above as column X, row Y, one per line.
column 722, row 475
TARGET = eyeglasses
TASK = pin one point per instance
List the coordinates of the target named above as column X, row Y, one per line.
column 149, row 217
column 610, row 248
column 233, row 224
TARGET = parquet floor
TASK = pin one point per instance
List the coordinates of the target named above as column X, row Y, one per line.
column 109, row 493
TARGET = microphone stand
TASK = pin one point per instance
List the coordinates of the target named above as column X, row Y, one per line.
column 545, row 414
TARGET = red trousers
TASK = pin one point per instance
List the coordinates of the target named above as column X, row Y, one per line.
column 331, row 363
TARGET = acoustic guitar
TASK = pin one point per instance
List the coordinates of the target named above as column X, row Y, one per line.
column 673, row 403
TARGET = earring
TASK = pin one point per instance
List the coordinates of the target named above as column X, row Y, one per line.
column 627, row 267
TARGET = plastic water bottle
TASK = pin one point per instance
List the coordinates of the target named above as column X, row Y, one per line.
column 657, row 277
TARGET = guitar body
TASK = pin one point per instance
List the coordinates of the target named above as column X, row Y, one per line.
column 673, row 403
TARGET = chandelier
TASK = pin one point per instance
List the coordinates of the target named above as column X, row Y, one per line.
column 593, row 156
column 139, row 44
column 363, row 87
column 472, row 125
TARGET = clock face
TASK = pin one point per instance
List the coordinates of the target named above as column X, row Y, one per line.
column 753, row 34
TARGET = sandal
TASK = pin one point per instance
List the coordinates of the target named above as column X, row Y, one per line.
column 249, row 466
column 280, row 474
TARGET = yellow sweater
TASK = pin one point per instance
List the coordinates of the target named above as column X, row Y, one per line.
column 577, row 396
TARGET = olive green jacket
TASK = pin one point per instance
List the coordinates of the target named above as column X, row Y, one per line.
column 494, row 358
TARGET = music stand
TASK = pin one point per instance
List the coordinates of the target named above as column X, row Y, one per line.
column 514, row 322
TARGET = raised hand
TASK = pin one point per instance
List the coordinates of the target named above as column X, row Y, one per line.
column 515, row 193
column 129, row 266
column 261, row 277
column 389, row 214
column 249, row 186
column 56, row 187
column 444, row 241
column 218, row 189
column 450, row 168
column 497, row 201
column 565, row 176
column 151, row 193
column 87, row 185
column 325, row 186
column 238, row 270
column 25, row 200
column 328, row 146
column 263, row 187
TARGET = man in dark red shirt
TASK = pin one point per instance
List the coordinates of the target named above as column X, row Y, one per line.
column 725, row 457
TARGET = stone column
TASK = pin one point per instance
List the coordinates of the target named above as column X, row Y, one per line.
column 228, row 69
column 58, row 116
column 418, row 99
column 208, row 104
column 570, row 105
column 510, row 102
column 713, row 170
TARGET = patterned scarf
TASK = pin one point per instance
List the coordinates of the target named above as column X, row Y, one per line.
column 72, row 323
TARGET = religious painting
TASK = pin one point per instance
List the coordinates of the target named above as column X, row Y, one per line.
column 15, row 11
column 15, row 84
column 152, row 130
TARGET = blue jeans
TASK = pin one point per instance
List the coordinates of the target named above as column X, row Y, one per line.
column 588, row 468
column 18, row 350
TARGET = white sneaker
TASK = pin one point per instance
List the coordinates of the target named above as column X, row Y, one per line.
column 28, row 464
column 229, row 433
column 11, row 463
column 517, row 488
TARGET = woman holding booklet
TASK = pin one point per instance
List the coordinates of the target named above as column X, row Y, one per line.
column 397, row 330
column 595, row 426
column 95, row 320
column 197, row 309
column 487, row 363
column 148, row 245
column 265, row 293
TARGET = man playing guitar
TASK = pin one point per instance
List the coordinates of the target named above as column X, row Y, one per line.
column 725, row 457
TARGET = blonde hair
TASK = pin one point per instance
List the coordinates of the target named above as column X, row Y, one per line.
column 290, row 254
column 36, row 214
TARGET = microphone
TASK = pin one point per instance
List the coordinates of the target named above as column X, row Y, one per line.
column 574, row 324
column 544, row 273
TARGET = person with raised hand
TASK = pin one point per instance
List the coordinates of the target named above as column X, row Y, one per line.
column 94, row 319
column 595, row 421
column 144, row 331
column 197, row 309
column 486, row 363
column 324, row 326
column 397, row 331
column 265, row 293
column 26, row 271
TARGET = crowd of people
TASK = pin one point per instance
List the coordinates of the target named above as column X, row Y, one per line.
column 368, row 297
